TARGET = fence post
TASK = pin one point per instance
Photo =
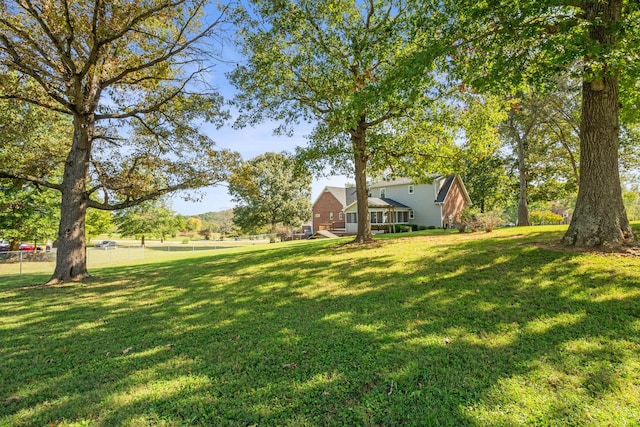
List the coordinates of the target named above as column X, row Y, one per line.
column 20, row 252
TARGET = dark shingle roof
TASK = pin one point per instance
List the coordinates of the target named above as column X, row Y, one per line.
column 377, row 202
column 444, row 190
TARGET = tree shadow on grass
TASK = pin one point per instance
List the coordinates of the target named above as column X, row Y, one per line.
column 485, row 331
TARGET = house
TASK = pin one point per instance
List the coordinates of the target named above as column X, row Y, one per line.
column 400, row 201
column 328, row 209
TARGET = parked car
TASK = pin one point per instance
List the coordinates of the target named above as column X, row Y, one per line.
column 107, row 244
column 29, row 247
column 4, row 246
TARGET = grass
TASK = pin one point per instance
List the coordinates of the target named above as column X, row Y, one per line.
column 125, row 254
column 432, row 329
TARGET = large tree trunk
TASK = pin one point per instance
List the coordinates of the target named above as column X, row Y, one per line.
column 358, row 139
column 71, row 257
column 600, row 217
column 523, row 207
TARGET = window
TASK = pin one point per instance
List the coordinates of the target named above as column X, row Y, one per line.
column 331, row 216
column 383, row 193
column 376, row 217
column 411, row 215
column 411, row 189
column 317, row 215
column 352, row 217
column 401, row 217
column 340, row 216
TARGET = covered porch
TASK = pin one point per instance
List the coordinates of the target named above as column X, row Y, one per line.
column 384, row 215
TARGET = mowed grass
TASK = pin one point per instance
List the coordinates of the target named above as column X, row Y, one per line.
column 505, row 328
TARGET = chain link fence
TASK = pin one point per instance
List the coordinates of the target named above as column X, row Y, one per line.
column 17, row 263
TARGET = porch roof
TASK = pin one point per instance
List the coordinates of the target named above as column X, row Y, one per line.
column 380, row 203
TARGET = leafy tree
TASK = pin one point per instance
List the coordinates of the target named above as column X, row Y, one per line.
column 487, row 181
column 27, row 213
column 269, row 191
column 151, row 218
column 479, row 161
column 130, row 78
column 193, row 224
column 543, row 130
column 340, row 64
column 98, row 222
column 506, row 44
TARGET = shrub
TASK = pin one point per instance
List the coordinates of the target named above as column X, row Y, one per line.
column 488, row 220
column 402, row 228
column 467, row 218
column 545, row 217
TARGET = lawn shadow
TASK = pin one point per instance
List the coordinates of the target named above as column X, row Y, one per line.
column 452, row 332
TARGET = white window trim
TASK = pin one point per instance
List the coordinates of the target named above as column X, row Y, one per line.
column 330, row 216
column 383, row 193
column 340, row 216
column 412, row 215
column 411, row 189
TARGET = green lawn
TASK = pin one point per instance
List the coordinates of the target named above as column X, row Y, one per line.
column 429, row 329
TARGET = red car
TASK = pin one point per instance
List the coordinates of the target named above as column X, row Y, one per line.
column 29, row 247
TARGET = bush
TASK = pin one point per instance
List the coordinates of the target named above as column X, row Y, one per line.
column 475, row 220
column 402, row 228
column 185, row 241
column 467, row 219
column 545, row 217
column 488, row 221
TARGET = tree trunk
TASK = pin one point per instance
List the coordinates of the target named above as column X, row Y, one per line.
column 358, row 139
column 71, row 257
column 600, row 217
column 523, row 207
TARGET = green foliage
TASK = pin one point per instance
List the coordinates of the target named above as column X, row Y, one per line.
column 270, row 190
column 138, row 82
column 529, row 43
column 132, row 78
column 423, row 330
column 545, row 217
column 98, row 222
column 27, row 214
column 347, row 67
column 148, row 219
column 193, row 224
column 632, row 204
column 488, row 181
column 219, row 222
column 546, row 128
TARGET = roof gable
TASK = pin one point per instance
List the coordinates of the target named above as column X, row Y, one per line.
column 446, row 187
column 344, row 195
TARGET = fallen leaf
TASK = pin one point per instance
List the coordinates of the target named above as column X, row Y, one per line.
column 10, row 399
column 289, row 366
column 126, row 350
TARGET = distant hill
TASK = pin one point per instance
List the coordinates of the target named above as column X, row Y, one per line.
column 216, row 222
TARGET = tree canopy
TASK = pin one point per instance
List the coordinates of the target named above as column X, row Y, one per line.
column 269, row 191
column 151, row 218
column 505, row 45
column 131, row 78
column 341, row 65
